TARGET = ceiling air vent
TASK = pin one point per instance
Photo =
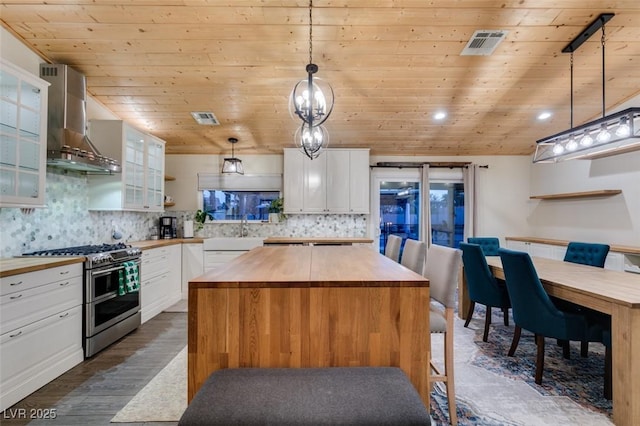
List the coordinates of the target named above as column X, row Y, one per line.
column 483, row 42
column 205, row 118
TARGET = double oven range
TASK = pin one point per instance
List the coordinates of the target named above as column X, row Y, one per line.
column 109, row 313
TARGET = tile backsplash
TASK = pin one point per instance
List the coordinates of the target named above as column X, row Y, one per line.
column 66, row 222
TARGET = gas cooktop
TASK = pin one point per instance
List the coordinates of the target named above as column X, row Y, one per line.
column 80, row 250
column 99, row 254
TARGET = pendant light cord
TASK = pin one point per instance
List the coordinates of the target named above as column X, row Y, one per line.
column 603, row 71
column 310, row 32
column 571, row 122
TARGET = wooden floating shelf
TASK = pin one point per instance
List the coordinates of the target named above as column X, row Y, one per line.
column 585, row 194
column 167, row 177
column 169, row 204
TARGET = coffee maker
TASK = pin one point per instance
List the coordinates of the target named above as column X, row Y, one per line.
column 168, row 227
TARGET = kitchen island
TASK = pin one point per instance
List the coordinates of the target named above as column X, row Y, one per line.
column 310, row 306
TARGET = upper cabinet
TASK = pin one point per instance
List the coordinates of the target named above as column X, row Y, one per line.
column 335, row 182
column 23, row 137
column 140, row 186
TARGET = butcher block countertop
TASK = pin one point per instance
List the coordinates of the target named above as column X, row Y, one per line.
column 317, row 240
column 151, row 244
column 613, row 247
column 10, row 266
column 313, row 266
column 310, row 307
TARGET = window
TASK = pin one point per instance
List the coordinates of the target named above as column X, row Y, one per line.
column 236, row 205
column 447, row 213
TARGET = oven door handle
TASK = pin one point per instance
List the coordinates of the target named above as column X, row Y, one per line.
column 106, row 271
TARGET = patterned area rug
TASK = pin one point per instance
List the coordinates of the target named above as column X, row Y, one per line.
column 503, row 390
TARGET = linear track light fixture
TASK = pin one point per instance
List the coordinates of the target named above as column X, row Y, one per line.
column 612, row 134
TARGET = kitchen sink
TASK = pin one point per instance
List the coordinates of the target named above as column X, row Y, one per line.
column 232, row 243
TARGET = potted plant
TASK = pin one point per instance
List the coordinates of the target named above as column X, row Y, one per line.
column 200, row 218
column 276, row 209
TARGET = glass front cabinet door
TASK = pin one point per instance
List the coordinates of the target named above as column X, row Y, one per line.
column 23, row 143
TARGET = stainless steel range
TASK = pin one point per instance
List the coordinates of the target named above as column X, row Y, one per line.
column 110, row 312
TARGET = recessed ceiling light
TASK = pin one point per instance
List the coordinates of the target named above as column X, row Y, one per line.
column 440, row 115
column 544, row 115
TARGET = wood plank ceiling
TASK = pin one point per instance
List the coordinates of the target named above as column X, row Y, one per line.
column 392, row 65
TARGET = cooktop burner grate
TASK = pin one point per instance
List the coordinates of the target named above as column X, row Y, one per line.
column 79, row 250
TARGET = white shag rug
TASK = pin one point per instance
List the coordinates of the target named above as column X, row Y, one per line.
column 163, row 399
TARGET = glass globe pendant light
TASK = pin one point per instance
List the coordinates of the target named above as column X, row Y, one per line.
column 311, row 140
column 311, row 101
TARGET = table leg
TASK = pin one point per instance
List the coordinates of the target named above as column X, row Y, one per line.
column 625, row 330
column 463, row 296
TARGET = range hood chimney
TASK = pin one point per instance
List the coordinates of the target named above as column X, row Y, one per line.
column 68, row 146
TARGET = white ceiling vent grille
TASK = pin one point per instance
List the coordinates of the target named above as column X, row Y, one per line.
column 483, row 42
column 205, row 118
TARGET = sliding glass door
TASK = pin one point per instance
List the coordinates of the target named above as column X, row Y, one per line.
column 396, row 205
column 447, row 213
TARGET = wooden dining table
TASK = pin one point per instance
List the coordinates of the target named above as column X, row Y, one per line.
column 309, row 306
column 611, row 292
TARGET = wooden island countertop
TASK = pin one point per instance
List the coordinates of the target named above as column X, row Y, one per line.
column 316, row 240
column 311, row 306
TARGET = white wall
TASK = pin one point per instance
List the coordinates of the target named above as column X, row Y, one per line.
column 612, row 220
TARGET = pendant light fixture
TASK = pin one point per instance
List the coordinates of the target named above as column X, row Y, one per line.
column 312, row 102
column 232, row 164
column 614, row 134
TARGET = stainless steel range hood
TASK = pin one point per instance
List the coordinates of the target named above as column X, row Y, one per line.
column 68, row 146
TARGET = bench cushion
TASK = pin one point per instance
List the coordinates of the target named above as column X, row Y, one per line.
column 294, row 396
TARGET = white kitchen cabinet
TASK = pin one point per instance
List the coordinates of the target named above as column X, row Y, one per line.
column 160, row 276
column 23, row 137
column 140, row 186
column 192, row 265
column 534, row 249
column 335, row 182
column 214, row 259
column 40, row 329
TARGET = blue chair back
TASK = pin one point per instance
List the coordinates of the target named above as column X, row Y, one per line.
column 531, row 306
column 481, row 283
column 490, row 245
column 587, row 253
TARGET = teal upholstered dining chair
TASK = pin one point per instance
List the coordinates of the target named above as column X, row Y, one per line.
column 592, row 254
column 392, row 248
column 482, row 286
column 533, row 310
column 490, row 245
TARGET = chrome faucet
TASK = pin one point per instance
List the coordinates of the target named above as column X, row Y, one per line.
column 243, row 224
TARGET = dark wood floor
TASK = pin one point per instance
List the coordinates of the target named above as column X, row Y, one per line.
column 95, row 390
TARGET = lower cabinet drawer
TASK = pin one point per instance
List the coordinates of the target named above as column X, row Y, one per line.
column 32, row 356
column 25, row 307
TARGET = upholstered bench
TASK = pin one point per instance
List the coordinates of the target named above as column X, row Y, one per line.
column 311, row 396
